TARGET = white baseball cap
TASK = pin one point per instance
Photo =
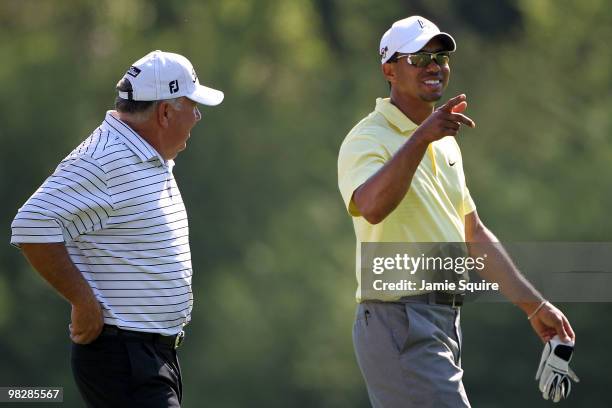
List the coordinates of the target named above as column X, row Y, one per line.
column 410, row 35
column 165, row 75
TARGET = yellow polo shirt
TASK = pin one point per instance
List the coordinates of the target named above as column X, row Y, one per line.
column 437, row 201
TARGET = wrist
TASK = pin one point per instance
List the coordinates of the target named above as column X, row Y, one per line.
column 419, row 138
column 85, row 299
column 529, row 306
column 533, row 311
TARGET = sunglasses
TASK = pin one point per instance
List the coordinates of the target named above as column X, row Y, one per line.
column 423, row 59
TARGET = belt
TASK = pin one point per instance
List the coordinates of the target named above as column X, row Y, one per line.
column 170, row 341
column 454, row 300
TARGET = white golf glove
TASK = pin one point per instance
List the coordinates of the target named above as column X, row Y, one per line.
column 554, row 372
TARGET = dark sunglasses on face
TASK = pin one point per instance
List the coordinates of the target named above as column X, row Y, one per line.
column 423, row 59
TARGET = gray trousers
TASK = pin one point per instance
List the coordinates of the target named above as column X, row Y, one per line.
column 410, row 354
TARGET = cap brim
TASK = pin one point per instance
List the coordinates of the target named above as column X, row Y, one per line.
column 418, row 43
column 447, row 40
column 206, row 96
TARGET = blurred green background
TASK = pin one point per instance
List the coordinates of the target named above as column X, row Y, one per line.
column 272, row 247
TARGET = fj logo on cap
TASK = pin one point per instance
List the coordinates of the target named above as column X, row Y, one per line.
column 133, row 71
column 194, row 76
column 421, row 23
column 174, row 86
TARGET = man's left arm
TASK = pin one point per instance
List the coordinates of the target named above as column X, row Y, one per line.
column 546, row 319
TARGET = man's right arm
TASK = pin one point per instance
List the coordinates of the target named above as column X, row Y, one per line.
column 72, row 202
column 382, row 192
column 53, row 263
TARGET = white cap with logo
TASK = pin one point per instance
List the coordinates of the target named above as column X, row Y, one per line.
column 165, row 75
column 410, row 35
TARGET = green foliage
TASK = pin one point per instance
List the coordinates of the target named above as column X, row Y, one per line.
column 273, row 248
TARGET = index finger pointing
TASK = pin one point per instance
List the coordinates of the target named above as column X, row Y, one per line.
column 461, row 118
column 448, row 106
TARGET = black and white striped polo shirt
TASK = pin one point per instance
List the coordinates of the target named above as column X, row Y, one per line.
column 116, row 205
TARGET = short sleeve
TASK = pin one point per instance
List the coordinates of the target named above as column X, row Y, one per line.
column 468, row 203
column 360, row 157
column 73, row 201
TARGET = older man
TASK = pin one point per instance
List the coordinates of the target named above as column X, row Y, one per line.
column 401, row 177
column 108, row 230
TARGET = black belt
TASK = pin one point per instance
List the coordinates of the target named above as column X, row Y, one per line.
column 437, row 298
column 170, row 341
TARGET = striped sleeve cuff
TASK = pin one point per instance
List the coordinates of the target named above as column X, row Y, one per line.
column 30, row 230
column 73, row 201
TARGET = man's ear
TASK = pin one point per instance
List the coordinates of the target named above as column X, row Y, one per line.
column 388, row 71
column 163, row 114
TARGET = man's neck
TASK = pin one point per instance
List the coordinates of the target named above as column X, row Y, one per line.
column 145, row 130
column 415, row 110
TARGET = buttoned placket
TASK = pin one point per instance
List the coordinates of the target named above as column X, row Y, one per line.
column 168, row 166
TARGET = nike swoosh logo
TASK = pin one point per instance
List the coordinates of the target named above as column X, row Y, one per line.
column 451, row 163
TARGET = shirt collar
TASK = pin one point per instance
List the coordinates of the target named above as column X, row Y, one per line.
column 132, row 140
column 393, row 115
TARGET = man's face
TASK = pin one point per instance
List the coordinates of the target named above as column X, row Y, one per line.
column 426, row 84
column 180, row 125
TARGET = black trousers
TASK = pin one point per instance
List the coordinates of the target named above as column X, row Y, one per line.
column 117, row 372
